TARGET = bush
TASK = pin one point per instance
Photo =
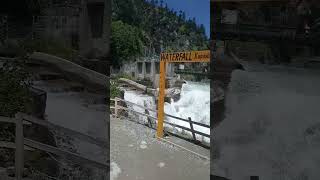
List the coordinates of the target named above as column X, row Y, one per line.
column 14, row 93
column 11, row 48
column 114, row 90
column 123, row 75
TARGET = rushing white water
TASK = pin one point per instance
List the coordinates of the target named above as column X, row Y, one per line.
column 115, row 171
column 194, row 103
column 142, row 100
column 271, row 127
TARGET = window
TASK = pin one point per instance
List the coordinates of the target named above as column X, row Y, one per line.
column 157, row 66
column 148, row 67
column 140, row 67
column 96, row 13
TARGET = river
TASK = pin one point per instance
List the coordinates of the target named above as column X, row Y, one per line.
column 194, row 102
column 272, row 126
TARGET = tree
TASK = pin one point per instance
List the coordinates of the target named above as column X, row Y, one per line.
column 126, row 42
column 160, row 25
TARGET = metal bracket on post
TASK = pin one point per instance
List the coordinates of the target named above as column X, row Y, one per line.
column 19, row 159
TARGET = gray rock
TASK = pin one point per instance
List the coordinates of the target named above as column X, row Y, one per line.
column 173, row 93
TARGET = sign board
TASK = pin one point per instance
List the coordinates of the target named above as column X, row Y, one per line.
column 181, row 66
column 229, row 16
column 191, row 56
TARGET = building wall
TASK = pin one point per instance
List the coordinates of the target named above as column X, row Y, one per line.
column 147, row 68
column 96, row 46
column 79, row 23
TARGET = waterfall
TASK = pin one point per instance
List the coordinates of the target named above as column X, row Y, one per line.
column 194, row 103
column 142, row 100
column 272, row 125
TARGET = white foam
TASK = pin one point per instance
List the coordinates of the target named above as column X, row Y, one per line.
column 194, row 102
column 115, row 171
column 143, row 145
column 263, row 133
column 142, row 100
column 161, row 164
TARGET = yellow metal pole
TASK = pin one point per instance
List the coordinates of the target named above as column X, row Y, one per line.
column 162, row 86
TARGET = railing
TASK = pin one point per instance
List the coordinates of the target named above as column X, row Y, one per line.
column 223, row 178
column 21, row 143
column 197, row 73
column 117, row 107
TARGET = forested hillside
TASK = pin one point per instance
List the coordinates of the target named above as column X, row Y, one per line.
column 139, row 25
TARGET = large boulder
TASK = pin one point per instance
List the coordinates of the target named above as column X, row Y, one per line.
column 173, row 93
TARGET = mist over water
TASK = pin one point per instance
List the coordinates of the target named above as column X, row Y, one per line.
column 272, row 126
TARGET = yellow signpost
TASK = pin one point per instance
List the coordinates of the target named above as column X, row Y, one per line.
column 175, row 57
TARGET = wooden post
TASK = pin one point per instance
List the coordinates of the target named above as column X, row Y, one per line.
column 192, row 130
column 149, row 120
column 116, row 106
column 19, row 160
column 162, row 86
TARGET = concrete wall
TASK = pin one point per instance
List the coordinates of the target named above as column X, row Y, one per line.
column 96, row 46
column 146, row 68
column 81, row 17
column 129, row 68
column 153, row 67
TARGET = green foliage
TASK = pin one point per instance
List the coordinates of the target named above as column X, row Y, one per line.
column 114, row 90
column 14, row 94
column 11, row 48
column 161, row 28
column 123, row 75
column 126, row 42
column 49, row 46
